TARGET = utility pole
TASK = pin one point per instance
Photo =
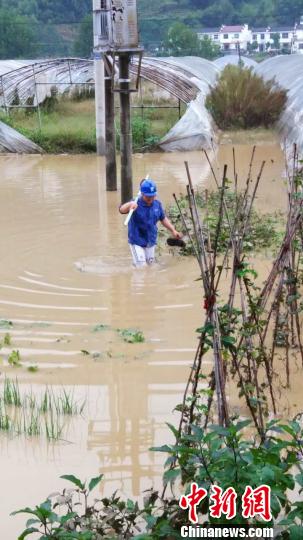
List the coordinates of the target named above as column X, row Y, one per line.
column 125, row 127
column 115, row 38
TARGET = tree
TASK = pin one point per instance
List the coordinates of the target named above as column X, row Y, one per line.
column 208, row 49
column 18, row 38
column 84, row 42
column 182, row 41
column 276, row 40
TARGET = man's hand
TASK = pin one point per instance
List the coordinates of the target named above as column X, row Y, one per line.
column 133, row 205
column 176, row 234
column 127, row 207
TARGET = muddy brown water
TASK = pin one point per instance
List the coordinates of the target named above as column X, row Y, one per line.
column 66, row 268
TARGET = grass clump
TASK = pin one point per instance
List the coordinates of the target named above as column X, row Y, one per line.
column 131, row 336
column 32, row 415
column 242, row 99
column 262, row 232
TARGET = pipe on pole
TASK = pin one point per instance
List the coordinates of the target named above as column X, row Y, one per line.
column 125, row 129
column 111, row 164
column 100, row 104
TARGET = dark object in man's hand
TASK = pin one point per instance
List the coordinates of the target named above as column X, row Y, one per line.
column 177, row 242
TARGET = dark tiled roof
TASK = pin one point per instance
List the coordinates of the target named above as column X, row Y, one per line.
column 281, row 29
column 209, row 31
column 231, row 28
column 263, row 30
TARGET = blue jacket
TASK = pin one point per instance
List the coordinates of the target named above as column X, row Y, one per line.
column 142, row 228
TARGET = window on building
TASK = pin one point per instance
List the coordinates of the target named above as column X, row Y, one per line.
column 103, row 4
column 284, row 35
column 262, row 36
column 255, row 37
column 216, row 36
column 225, row 36
column 226, row 46
column 236, row 36
column 300, row 45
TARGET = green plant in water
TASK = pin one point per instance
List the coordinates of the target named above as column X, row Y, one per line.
column 11, row 393
column 5, row 324
column 34, row 416
column 7, row 340
column 131, row 336
column 32, row 369
column 100, row 327
column 215, row 456
column 14, row 359
column 263, row 230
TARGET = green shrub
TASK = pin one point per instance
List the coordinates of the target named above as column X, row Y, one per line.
column 263, row 230
column 242, row 99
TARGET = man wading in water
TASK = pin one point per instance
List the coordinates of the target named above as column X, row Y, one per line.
column 142, row 226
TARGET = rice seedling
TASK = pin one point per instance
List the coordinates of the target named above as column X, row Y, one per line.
column 5, row 423
column 46, row 403
column 11, row 393
column 53, row 427
column 68, row 406
column 34, row 427
column 33, row 415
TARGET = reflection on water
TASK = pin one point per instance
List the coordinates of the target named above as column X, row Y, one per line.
column 57, row 219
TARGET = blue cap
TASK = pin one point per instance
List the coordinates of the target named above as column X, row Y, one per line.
column 148, row 188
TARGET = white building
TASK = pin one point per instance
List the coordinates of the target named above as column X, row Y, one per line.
column 229, row 38
column 261, row 39
column 234, row 37
column 298, row 38
column 211, row 33
column 286, row 37
column 280, row 38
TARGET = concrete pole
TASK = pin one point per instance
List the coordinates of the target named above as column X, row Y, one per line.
column 125, row 129
column 111, row 165
column 100, row 104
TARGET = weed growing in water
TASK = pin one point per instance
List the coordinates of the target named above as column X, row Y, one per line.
column 34, row 416
column 11, row 393
column 5, row 324
column 262, row 232
column 131, row 336
column 14, row 359
column 7, row 340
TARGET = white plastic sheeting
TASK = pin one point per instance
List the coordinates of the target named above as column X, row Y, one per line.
column 30, row 82
column 12, row 141
column 233, row 59
column 188, row 78
column 195, row 130
column 288, row 72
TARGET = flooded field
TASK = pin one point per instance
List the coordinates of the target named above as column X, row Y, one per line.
column 66, row 269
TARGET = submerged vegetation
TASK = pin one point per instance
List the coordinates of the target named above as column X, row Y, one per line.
column 225, row 457
column 130, row 335
column 242, row 99
column 212, row 445
column 27, row 414
column 264, row 231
